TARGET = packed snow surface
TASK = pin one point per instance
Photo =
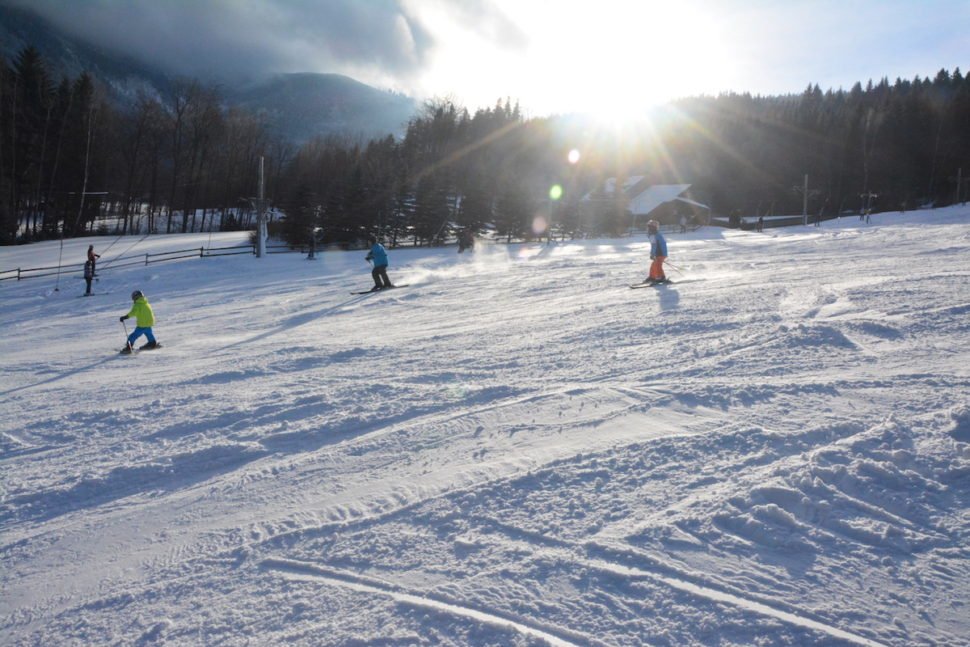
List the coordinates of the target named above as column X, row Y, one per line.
column 515, row 449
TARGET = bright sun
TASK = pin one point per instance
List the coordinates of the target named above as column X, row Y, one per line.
column 613, row 59
column 624, row 57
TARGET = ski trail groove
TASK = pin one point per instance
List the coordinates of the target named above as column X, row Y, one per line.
column 668, row 575
column 671, row 576
column 734, row 600
column 344, row 579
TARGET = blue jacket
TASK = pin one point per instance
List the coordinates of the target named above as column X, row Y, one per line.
column 378, row 254
column 658, row 245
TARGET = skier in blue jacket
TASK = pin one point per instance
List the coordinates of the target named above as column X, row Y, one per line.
column 658, row 253
column 378, row 255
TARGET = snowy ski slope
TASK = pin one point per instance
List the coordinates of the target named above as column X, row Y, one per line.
column 517, row 449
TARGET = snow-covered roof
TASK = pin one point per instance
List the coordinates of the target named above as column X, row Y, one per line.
column 646, row 201
column 693, row 203
column 655, row 196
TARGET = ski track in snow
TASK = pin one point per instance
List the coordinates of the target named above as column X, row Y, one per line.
column 774, row 451
column 523, row 542
column 555, row 636
column 552, row 636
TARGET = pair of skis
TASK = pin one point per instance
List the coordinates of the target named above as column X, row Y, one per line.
column 392, row 287
column 650, row 283
column 131, row 350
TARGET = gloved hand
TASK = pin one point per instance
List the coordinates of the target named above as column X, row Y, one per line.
column 651, row 257
column 123, row 317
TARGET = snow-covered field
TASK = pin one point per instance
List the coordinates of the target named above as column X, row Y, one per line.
column 517, row 449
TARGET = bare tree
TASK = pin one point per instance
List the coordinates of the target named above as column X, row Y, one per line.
column 181, row 97
column 203, row 119
column 136, row 126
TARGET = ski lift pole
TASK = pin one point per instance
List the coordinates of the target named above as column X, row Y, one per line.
column 261, row 227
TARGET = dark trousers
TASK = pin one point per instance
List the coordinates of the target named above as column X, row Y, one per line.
column 88, row 281
column 380, row 274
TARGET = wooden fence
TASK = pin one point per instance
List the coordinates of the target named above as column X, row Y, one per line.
column 22, row 273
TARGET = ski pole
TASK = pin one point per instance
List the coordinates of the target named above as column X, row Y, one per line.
column 672, row 266
column 125, row 326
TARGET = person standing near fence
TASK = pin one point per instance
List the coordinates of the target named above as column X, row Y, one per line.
column 92, row 258
column 88, row 276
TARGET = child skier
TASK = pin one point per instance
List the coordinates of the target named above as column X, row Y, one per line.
column 88, row 276
column 658, row 253
column 379, row 255
column 92, row 258
column 144, row 318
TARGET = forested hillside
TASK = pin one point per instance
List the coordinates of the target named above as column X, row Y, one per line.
column 75, row 162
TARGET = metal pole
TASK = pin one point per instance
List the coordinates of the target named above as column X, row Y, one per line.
column 805, row 202
column 261, row 214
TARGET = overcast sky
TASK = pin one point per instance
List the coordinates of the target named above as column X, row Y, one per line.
column 552, row 56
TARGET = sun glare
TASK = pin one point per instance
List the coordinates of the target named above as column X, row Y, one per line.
column 612, row 59
column 632, row 56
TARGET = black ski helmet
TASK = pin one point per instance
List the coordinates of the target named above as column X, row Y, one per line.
column 136, row 295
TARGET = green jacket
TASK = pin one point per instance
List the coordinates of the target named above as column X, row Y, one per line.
column 142, row 312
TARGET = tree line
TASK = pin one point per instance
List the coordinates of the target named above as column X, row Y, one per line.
column 75, row 161
column 880, row 147
column 883, row 146
column 69, row 157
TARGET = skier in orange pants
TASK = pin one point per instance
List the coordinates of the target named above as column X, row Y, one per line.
column 658, row 252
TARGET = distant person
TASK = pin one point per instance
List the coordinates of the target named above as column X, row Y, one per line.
column 683, row 224
column 761, row 224
column 92, row 258
column 88, row 276
column 378, row 255
column 141, row 310
column 466, row 240
column 658, row 253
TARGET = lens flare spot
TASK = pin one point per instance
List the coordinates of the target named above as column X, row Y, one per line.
column 539, row 225
column 555, row 192
column 573, row 156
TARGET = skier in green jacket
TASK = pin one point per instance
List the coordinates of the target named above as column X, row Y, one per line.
column 141, row 310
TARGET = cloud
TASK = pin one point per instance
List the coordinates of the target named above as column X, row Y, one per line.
column 238, row 39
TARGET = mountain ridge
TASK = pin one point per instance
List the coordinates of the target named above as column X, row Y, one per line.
column 298, row 106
